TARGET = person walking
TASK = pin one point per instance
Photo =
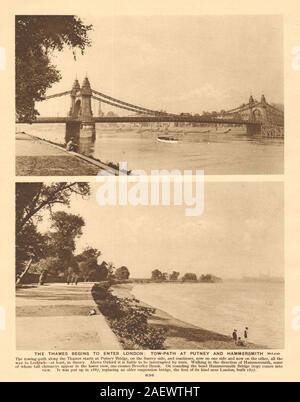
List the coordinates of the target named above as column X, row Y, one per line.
column 246, row 334
column 234, row 335
column 75, row 278
column 70, row 273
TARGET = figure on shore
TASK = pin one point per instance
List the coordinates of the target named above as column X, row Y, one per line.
column 75, row 278
column 70, row 273
column 43, row 277
column 71, row 145
column 234, row 335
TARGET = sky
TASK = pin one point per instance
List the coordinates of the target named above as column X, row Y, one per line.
column 177, row 63
column 240, row 232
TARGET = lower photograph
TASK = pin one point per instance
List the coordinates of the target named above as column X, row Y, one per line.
column 115, row 269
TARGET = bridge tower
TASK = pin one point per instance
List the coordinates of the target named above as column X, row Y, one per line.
column 263, row 109
column 86, row 101
column 81, row 122
column 251, row 105
column 87, row 128
column 75, row 103
column 266, row 119
column 255, row 116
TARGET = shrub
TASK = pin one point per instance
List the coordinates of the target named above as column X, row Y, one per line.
column 128, row 319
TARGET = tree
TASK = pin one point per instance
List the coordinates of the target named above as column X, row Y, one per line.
column 122, row 273
column 164, row 276
column 37, row 37
column 33, row 198
column 206, row 278
column 50, row 264
column 102, row 272
column 174, row 276
column 156, row 275
column 30, row 244
column 67, row 228
column 89, row 254
column 96, row 273
column 88, row 262
column 209, row 278
column 111, row 270
column 189, row 276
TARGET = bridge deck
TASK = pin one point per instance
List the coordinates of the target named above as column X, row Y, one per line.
column 150, row 119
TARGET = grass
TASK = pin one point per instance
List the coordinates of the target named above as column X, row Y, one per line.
column 52, row 311
column 54, row 166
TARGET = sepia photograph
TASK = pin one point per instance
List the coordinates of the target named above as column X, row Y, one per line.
column 151, row 186
column 140, row 277
column 157, row 92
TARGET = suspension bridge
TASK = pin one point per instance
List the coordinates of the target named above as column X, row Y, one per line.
column 259, row 117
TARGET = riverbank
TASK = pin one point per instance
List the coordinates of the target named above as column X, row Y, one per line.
column 38, row 157
column 180, row 334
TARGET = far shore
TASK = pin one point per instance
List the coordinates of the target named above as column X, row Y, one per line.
column 180, row 334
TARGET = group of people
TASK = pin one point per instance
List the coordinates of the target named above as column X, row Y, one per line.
column 238, row 339
column 72, row 276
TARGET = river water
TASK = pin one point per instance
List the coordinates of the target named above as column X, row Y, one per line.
column 215, row 152
column 222, row 307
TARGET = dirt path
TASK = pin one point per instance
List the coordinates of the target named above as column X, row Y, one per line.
column 55, row 317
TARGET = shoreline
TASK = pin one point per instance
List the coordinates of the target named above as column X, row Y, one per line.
column 51, row 157
column 181, row 334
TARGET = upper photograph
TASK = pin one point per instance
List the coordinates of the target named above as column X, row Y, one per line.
column 145, row 95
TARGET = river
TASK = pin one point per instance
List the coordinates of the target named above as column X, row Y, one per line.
column 215, row 152
column 222, row 307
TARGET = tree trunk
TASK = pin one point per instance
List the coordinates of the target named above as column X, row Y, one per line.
column 24, row 272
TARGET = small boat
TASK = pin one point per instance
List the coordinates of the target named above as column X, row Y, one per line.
column 227, row 131
column 169, row 140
